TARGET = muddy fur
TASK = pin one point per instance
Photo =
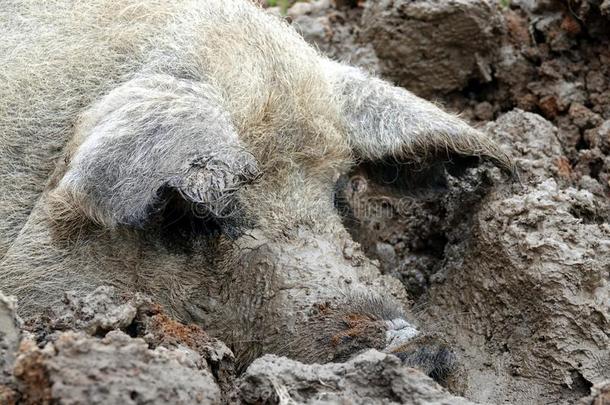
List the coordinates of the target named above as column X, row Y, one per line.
column 112, row 112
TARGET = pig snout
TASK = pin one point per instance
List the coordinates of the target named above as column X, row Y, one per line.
column 300, row 297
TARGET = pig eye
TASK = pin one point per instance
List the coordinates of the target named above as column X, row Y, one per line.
column 358, row 184
column 182, row 223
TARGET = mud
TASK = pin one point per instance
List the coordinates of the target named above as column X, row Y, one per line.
column 104, row 348
column 10, row 336
column 371, row 377
column 79, row 369
column 533, row 286
column 513, row 275
column 145, row 357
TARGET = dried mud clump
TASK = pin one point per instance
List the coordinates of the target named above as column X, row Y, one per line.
column 161, row 330
column 106, row 348
column 10, row 335
column 95, row 313
column 332, row 31
column 433, row 47
column 371, row 377
column 79, row 369
column 532, row 275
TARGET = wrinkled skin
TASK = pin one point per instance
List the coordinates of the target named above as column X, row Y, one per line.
column 201, row 143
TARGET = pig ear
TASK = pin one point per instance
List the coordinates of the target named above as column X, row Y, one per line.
column 151, row 135
column 385, row 121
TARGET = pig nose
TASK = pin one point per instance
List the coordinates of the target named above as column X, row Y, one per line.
column 399, row 332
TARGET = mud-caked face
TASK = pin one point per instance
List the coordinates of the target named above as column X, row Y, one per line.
column 260, row 249
column 363, row 320
column 308, row 295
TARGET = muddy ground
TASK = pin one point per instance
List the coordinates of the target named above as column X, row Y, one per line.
column 513, row 275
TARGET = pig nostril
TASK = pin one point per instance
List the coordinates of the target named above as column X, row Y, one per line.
column 438, row 362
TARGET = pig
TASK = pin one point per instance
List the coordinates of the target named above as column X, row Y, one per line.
column 189, row 150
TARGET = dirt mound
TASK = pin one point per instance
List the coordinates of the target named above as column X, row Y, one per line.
column 514, row 275
column 371, row 377
column 103, row 348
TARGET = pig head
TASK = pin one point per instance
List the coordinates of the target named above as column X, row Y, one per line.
column 211, row 189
